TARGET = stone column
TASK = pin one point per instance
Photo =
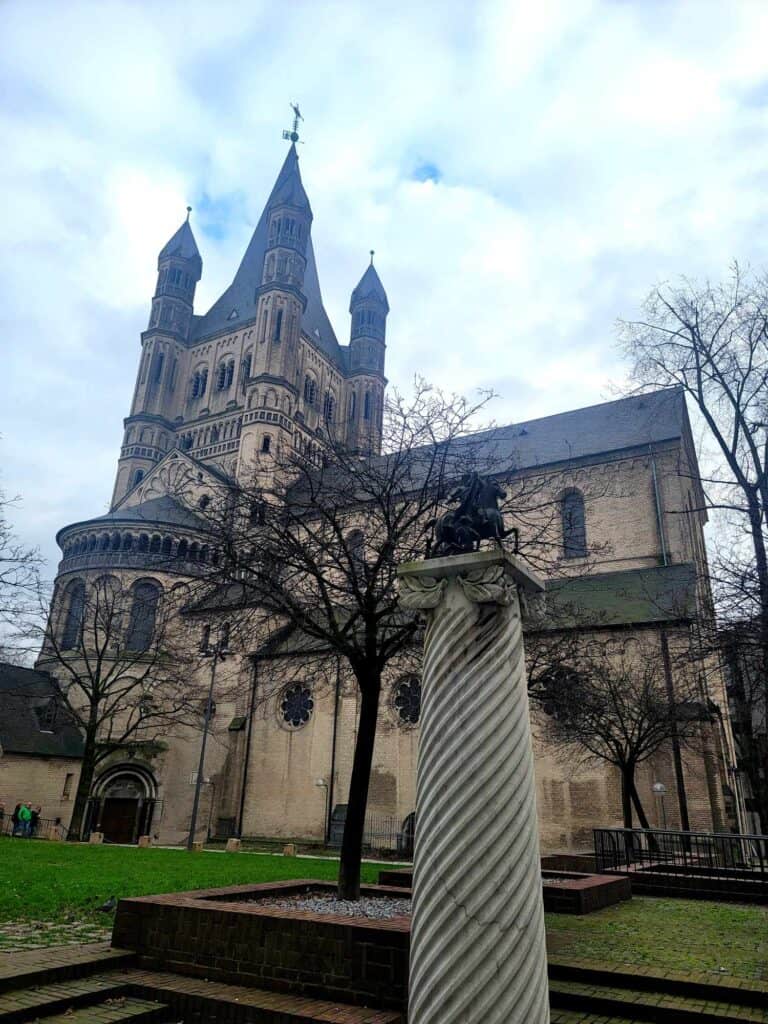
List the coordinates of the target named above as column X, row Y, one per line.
column 478, row 951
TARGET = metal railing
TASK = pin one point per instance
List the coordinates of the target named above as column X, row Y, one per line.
column 694, row 863
column 43, row 828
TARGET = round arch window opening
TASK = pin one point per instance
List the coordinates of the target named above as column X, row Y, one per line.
column 297, row 705
column 408, row 700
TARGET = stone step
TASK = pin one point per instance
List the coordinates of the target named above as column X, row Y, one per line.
column 43, row 966
column 722, row 988
column 28, row 1002
column 112, row 1011
column 577, row 1017
column 240, row 1003
column 641, row 1005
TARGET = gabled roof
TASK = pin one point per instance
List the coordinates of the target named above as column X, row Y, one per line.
column 183, row 246
column 369, row 287
column 633, row 422
column 240, row 296
column 25, row 696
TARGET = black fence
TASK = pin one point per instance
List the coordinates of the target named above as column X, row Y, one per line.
column 42, row 828
column 382, row 834
column 710, row 865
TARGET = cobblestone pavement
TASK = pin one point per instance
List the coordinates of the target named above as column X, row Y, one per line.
column 19, row 935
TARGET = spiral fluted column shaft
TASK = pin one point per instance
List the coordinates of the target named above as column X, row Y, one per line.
column 477, row 940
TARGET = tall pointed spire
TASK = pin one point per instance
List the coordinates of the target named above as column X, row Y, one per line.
column 182, row 245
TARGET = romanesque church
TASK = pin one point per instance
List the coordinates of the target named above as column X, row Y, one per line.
column 263, row 370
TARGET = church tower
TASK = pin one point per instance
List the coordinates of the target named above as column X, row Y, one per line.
column 369, row 309
column 149, row 428
column 280, row 305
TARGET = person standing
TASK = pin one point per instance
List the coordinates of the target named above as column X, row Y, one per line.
column 16, row 821
column 34, row 819
column 25, row 820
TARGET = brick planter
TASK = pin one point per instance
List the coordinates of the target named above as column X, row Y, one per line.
column 571, row 893
column 210, row 933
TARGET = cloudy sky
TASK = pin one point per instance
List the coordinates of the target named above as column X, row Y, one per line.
column 524, row 170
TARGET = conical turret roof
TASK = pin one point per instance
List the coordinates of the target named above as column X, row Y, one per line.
column 369, row 287
column 183, row 246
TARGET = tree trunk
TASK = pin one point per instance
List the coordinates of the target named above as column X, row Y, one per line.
column 641, row 815
column 357, row 801
column 87, row 771
column 626, row 801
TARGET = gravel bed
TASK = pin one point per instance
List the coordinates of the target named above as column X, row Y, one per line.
column 378, row 908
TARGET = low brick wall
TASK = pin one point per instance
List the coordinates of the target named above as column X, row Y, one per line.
column 571, row 893
column 210, row 933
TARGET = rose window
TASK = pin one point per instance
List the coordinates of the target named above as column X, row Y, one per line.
column 297, row 705
column 408, row 700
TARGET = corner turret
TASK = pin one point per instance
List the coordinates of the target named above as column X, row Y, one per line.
column 369, row 308
column 179, row 268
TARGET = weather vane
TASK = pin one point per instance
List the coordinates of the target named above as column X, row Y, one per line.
column 293, row 134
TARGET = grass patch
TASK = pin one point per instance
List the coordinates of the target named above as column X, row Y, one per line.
column 42, row 881
column 672, row 934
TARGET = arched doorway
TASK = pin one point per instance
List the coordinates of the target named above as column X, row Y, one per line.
column 123, row 803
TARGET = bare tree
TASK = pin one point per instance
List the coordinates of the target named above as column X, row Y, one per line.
column 712, row 341
column 19, row 567
column 119, row 665
column 314, row 542
column 606, row 700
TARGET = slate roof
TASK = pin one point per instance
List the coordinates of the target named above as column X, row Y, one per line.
column 163, row 510
column 22, row 690
column 183, row 245
column 369, row 285
column 241, row 294
column 632, row 422
column 632, row 597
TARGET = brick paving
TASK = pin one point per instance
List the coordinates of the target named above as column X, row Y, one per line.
column 133, row 1010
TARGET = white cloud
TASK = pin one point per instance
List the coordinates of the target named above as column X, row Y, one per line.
column 581, row 150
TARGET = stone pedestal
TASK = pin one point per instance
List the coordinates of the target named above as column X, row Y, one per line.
column 144, row 842
column 197, row 846
column 477, row 942
column 96, row 837
column 289, row 850
column 233, row 846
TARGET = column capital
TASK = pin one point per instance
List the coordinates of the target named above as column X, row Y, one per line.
column 485, row 577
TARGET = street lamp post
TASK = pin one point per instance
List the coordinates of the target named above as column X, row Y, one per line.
column 216, row 653
column 322, row 784
column 661, row 791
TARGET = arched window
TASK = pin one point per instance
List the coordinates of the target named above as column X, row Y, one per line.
column 181, row 551
column 154, row 544
column 278, row 325
column 194, row 551
column 221, row 376
column 574, row 525
column 356, row 548
column 127, row 541
column 329, row 404
column 230, row 373
column 104, row 545
column 310, row 390
column 73, row 623
column 138, row 476
column 246, row 370
column 352, row 405
column 115, row 541
column 143, row 542
column 141, row 625
column 266, row 444
column 367, row 406
column 166, row 546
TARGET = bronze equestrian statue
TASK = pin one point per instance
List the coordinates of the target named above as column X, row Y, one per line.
column 476, row 518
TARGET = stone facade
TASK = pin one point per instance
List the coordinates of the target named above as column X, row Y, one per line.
column 610, row 490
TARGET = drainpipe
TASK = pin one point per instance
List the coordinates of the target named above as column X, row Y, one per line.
column 249, row 732
column 682, row 799
column 659, row 517
column 329, row 810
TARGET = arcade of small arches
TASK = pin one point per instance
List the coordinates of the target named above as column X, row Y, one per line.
column 170, row 547
column 211, row 435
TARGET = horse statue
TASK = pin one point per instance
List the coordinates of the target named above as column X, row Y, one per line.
column 476, row 518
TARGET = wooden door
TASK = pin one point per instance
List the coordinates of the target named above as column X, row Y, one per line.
column 118, row 819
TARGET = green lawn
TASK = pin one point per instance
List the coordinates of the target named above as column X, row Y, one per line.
column 672, row 934
column 41, row 881
column 49, row 892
